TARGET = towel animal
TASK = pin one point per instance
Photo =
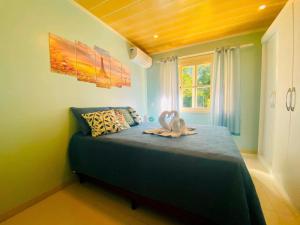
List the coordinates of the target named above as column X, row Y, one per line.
column 175, row 128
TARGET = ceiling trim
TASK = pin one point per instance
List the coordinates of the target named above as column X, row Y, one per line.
column 212, row 40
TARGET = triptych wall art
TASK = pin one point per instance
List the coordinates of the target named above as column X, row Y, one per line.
column 94, row 65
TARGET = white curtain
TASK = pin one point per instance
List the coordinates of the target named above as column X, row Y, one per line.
column 169, row 99
column 226, row 89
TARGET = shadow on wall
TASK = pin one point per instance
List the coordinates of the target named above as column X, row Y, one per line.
column 73, row 125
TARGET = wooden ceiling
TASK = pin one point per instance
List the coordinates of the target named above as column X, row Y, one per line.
column 182, row 22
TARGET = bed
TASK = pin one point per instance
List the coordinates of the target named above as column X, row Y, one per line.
column 203, row 174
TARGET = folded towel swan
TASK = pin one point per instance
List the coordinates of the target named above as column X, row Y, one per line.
column 175, row 128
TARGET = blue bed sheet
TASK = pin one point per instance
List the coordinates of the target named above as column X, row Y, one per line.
column 203, row 173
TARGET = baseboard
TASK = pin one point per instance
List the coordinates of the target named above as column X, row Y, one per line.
column 280, row 187
column 265, row 163
column 33, row 201
column 248, row 151
column 278, row 184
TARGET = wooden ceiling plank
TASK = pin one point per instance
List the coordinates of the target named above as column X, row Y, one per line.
column 194, row 36
column 160, row 23
column 149, row 8
column 168, row 47
column 89, row 4
column 112, row 6
column 196, row 25
column 145, row 12
column 181, row 22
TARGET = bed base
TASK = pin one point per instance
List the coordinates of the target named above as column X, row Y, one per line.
column 137, row 200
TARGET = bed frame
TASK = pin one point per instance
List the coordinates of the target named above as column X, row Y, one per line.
column 138, row 200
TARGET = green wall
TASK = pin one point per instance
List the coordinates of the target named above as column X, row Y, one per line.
column 250, row 86
column 35, row 120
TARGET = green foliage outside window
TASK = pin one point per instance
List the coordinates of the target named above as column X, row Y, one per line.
column 187, row 81
column 187, row 76
column 187, row 98
column 201, row 87
column 203, row 74
column 203, row 97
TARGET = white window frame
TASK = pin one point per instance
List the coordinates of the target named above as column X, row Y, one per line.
column 194, row 87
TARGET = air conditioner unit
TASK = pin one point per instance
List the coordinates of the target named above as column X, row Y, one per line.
column 139, row 57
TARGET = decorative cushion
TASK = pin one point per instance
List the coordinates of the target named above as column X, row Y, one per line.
column 136, row 117
column 127, row 116
column 102, row 122
column 83, row 125
column 120, row 117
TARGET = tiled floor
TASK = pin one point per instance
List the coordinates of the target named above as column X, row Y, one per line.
column 276, row 209
column 90, row 205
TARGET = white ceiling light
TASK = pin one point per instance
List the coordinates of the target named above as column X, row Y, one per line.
column 262, row 7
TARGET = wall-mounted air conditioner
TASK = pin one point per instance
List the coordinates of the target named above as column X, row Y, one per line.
column 139, row 57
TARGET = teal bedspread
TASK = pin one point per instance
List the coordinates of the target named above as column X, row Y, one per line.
column 203, row 173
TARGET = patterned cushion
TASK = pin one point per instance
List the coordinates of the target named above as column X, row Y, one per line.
column 136, row 117
column 83, row 125
column 127, row 116
column 120, row 117
column 102, row 122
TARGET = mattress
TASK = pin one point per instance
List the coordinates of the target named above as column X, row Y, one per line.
column 203, row 173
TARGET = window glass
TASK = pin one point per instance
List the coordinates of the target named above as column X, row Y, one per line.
column 195, row 82
column 203, row 74
column 187, row 76
column 187, row 98
column 203, row 97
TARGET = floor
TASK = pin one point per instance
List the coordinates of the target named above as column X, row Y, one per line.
column 88, row 204
column 276, row 209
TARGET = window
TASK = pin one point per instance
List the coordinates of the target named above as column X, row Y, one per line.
column 195, row 83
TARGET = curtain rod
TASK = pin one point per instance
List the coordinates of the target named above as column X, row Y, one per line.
column 198, row 54
column 208, row 52
column 211, row 52
column 188, row 56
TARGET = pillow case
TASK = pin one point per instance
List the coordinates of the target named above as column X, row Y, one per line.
column 136, row 117
column 83, row 125
column 120, row 117
column 102, row 122
column 127, row 116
